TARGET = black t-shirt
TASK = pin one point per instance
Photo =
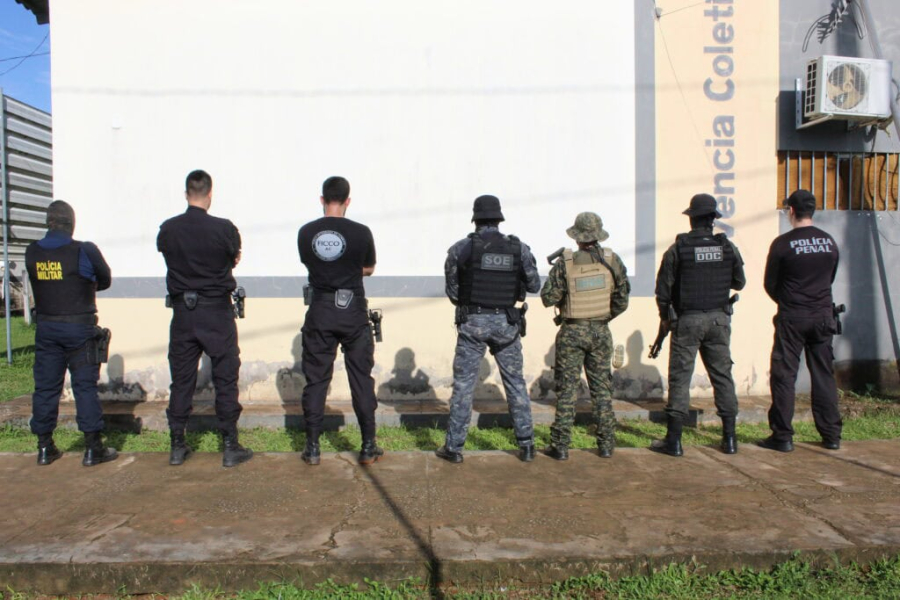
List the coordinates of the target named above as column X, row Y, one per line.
column 200, row 251
column 800, row 270
column 335, row 250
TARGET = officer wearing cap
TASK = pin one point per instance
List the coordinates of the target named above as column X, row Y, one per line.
column 692, row 293
column 200, row 251
column 486, row 274
column 65, row 275
column 800, row 270
column 590, row 288
column 338, row 253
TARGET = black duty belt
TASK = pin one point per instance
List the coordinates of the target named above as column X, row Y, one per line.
column 82, row 319
column 697, row 311
column 329, row 297
column 204, row 299
column 475, row 309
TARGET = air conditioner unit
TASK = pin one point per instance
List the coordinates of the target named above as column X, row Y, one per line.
column 842, row 87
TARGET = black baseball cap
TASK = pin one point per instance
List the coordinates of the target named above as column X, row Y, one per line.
column 702, row 204
column 487, row 208
column 802, row 200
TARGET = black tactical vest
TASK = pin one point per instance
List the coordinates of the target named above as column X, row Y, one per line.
column 58, row 288
column 705, row 264
column 491, row 277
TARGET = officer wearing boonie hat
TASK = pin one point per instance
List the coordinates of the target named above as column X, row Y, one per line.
column 695, row 278
column 800, row 270
column 589, row 287
column 486, row 274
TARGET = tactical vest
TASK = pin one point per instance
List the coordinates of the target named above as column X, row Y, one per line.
column 705, row 265
column 589, row 286
column 58, row 288
column 491, row 276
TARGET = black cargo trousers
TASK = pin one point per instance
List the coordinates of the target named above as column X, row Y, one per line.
column 812, row 335
column 209, row 328
column 326, row 327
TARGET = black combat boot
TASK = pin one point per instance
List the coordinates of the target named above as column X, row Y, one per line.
column 671, row 445
column 311, row 455
column 557, row 452
column 95, row 452
column 47, row 450
column 449, row 455
column 729, row 439
column 180, row 450
column 370, row 452
column 526, row 453
column 234, row 454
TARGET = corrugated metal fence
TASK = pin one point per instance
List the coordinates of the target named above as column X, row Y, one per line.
column 28, row 161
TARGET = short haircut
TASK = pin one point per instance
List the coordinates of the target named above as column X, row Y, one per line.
column 802, row 212
column 487, row 222
column 198, row 183
column 336, row 189
column 60, row 216
column 705, row 221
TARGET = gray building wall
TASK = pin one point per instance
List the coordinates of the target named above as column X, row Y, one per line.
column 797, row 16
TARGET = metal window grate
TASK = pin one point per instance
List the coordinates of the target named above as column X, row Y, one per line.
column 842, row 180
column 809, row 99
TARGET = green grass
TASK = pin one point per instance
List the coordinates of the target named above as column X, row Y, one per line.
column 16, row 379
column 794, row 578
column 630, row 434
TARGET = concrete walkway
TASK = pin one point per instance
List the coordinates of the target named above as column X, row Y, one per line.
column 137, row 416
column 142, row 526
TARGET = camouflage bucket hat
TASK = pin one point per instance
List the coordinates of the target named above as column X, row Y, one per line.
column 588, row 227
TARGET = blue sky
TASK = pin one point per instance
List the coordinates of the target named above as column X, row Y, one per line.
column 19, row 36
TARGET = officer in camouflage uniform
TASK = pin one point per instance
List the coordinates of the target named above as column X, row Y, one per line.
column 692, row 288
column 486, row 274
column 590, row 287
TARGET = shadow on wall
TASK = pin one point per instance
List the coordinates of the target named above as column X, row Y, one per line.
column 408, row 382
column 290, row 381
column 483, row 389
column 116, row 388
column 635, row 380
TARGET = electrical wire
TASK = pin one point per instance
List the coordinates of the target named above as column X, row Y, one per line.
column 23, row 56
column 26, row 57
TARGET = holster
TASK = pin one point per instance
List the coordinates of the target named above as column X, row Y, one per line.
column 307, row 295
column 191, row 299
column 462, row 315
column 102, row 337
column 516, row 316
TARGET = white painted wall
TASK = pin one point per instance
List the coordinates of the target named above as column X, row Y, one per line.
column 422, row 105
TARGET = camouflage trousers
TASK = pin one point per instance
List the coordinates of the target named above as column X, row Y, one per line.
column 583, row 345
column 480, row 332
column 710, row 335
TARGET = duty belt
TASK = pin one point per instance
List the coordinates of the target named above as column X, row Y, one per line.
column 574, row 321
column 475, row 309
column 329, row 297
column 697, row 311
column 204, row 300
column 82, row 319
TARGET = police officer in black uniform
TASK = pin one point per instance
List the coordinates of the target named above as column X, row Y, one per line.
column 200, row 252
column 65, row 275
column 338, row 253
column 800, row 269
column 692, row 293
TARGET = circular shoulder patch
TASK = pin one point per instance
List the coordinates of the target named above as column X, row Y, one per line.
column 329, row 245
